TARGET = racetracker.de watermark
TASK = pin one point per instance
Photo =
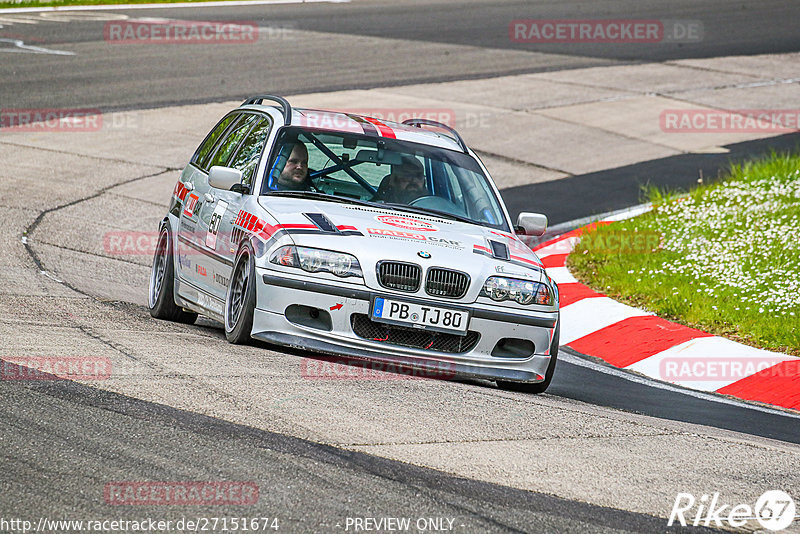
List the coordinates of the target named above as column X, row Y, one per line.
column 620, row 31
column 344, row 118
column 622, row 242
column 730, row 121
column 726, row 369
column 55, row 368
column 167, row 31
column 371, row 370
column 50, row 120
column 357, row 119
column 203, row 493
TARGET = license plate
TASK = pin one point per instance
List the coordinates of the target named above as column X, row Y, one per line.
column 420, row 315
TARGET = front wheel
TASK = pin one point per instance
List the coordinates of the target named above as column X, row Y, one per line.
column 240, row 300
column 538, row 387
column 161, row 300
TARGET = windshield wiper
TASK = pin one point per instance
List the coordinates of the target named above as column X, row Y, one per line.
column 323, row 196
column 428, row 211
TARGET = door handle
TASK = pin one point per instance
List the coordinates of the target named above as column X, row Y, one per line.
column 209, row 197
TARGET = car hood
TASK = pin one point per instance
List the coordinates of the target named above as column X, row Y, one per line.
column 374, row 234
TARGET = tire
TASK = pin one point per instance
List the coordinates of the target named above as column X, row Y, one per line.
column 240, row 299
column 538, row 387
column 161, row 300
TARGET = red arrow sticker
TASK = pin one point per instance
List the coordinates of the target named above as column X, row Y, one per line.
column 337, row 307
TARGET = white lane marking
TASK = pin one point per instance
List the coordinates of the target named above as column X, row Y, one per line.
column 21, row 47
column 709, row 354
column 116, row 7
column 561, row 275
column 626, row 375
column 591, row 314
column 53, row 16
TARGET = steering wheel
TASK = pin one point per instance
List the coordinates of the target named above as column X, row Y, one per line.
column 437, row 203
column 426, row 199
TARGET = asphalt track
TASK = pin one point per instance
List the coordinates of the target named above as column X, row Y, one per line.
column 62, row 440
column 309, row 487
column 325, row 47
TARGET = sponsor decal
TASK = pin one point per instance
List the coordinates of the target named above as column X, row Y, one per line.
column 211, row 303
column 201, row 270
column 183, row 261
column 502, row 269
column 395, row 233
column 213, row 224
column 221, row 280
column 432, row 240
column 180, row 191
column 190, row 207
column 530, row 261
column 407, row 223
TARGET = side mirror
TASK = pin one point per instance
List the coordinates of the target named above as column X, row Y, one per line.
column 224, row 177
column 533, row 223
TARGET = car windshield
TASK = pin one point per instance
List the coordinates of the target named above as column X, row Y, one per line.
column 390, row 173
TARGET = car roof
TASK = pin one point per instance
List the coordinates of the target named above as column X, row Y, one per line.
column 339, row 121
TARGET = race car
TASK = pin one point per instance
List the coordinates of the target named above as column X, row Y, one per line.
column 358, row 237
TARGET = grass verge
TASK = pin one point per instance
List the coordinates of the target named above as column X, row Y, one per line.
column 723, row 257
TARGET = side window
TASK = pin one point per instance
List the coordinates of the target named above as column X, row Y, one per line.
column 229, row 144
column 207, row 147
column 249, row 153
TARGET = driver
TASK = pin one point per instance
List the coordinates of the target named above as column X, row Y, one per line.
column 404, row 184
column 294, row 176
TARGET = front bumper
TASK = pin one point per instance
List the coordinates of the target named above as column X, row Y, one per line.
column 276, row 293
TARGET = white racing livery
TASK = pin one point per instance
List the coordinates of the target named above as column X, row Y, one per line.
column 348, row 235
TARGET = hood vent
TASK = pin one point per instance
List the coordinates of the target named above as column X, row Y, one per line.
column 499, row 250
column 322, row 222
column 389, row 211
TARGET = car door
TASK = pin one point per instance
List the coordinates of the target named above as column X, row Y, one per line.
column 198, row 262
column 194, row 180
column 222, row 207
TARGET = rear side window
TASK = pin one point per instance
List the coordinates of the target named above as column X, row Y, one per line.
column 205, row 150
column 228, row 146
column 249, row 153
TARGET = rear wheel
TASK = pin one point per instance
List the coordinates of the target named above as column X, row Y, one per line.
column 161, row 299
column 240, row 299
column 538, row 387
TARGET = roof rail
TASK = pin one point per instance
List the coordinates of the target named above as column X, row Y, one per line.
column 427, row 122
column 287, row 107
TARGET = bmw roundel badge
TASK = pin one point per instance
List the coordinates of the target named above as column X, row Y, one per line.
column 423, row 254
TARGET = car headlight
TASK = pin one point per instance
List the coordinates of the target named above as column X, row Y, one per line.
column 315, row 260
column 500, row 288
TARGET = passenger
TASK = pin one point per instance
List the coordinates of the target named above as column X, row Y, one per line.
column 404, row 184
column 294, row 176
